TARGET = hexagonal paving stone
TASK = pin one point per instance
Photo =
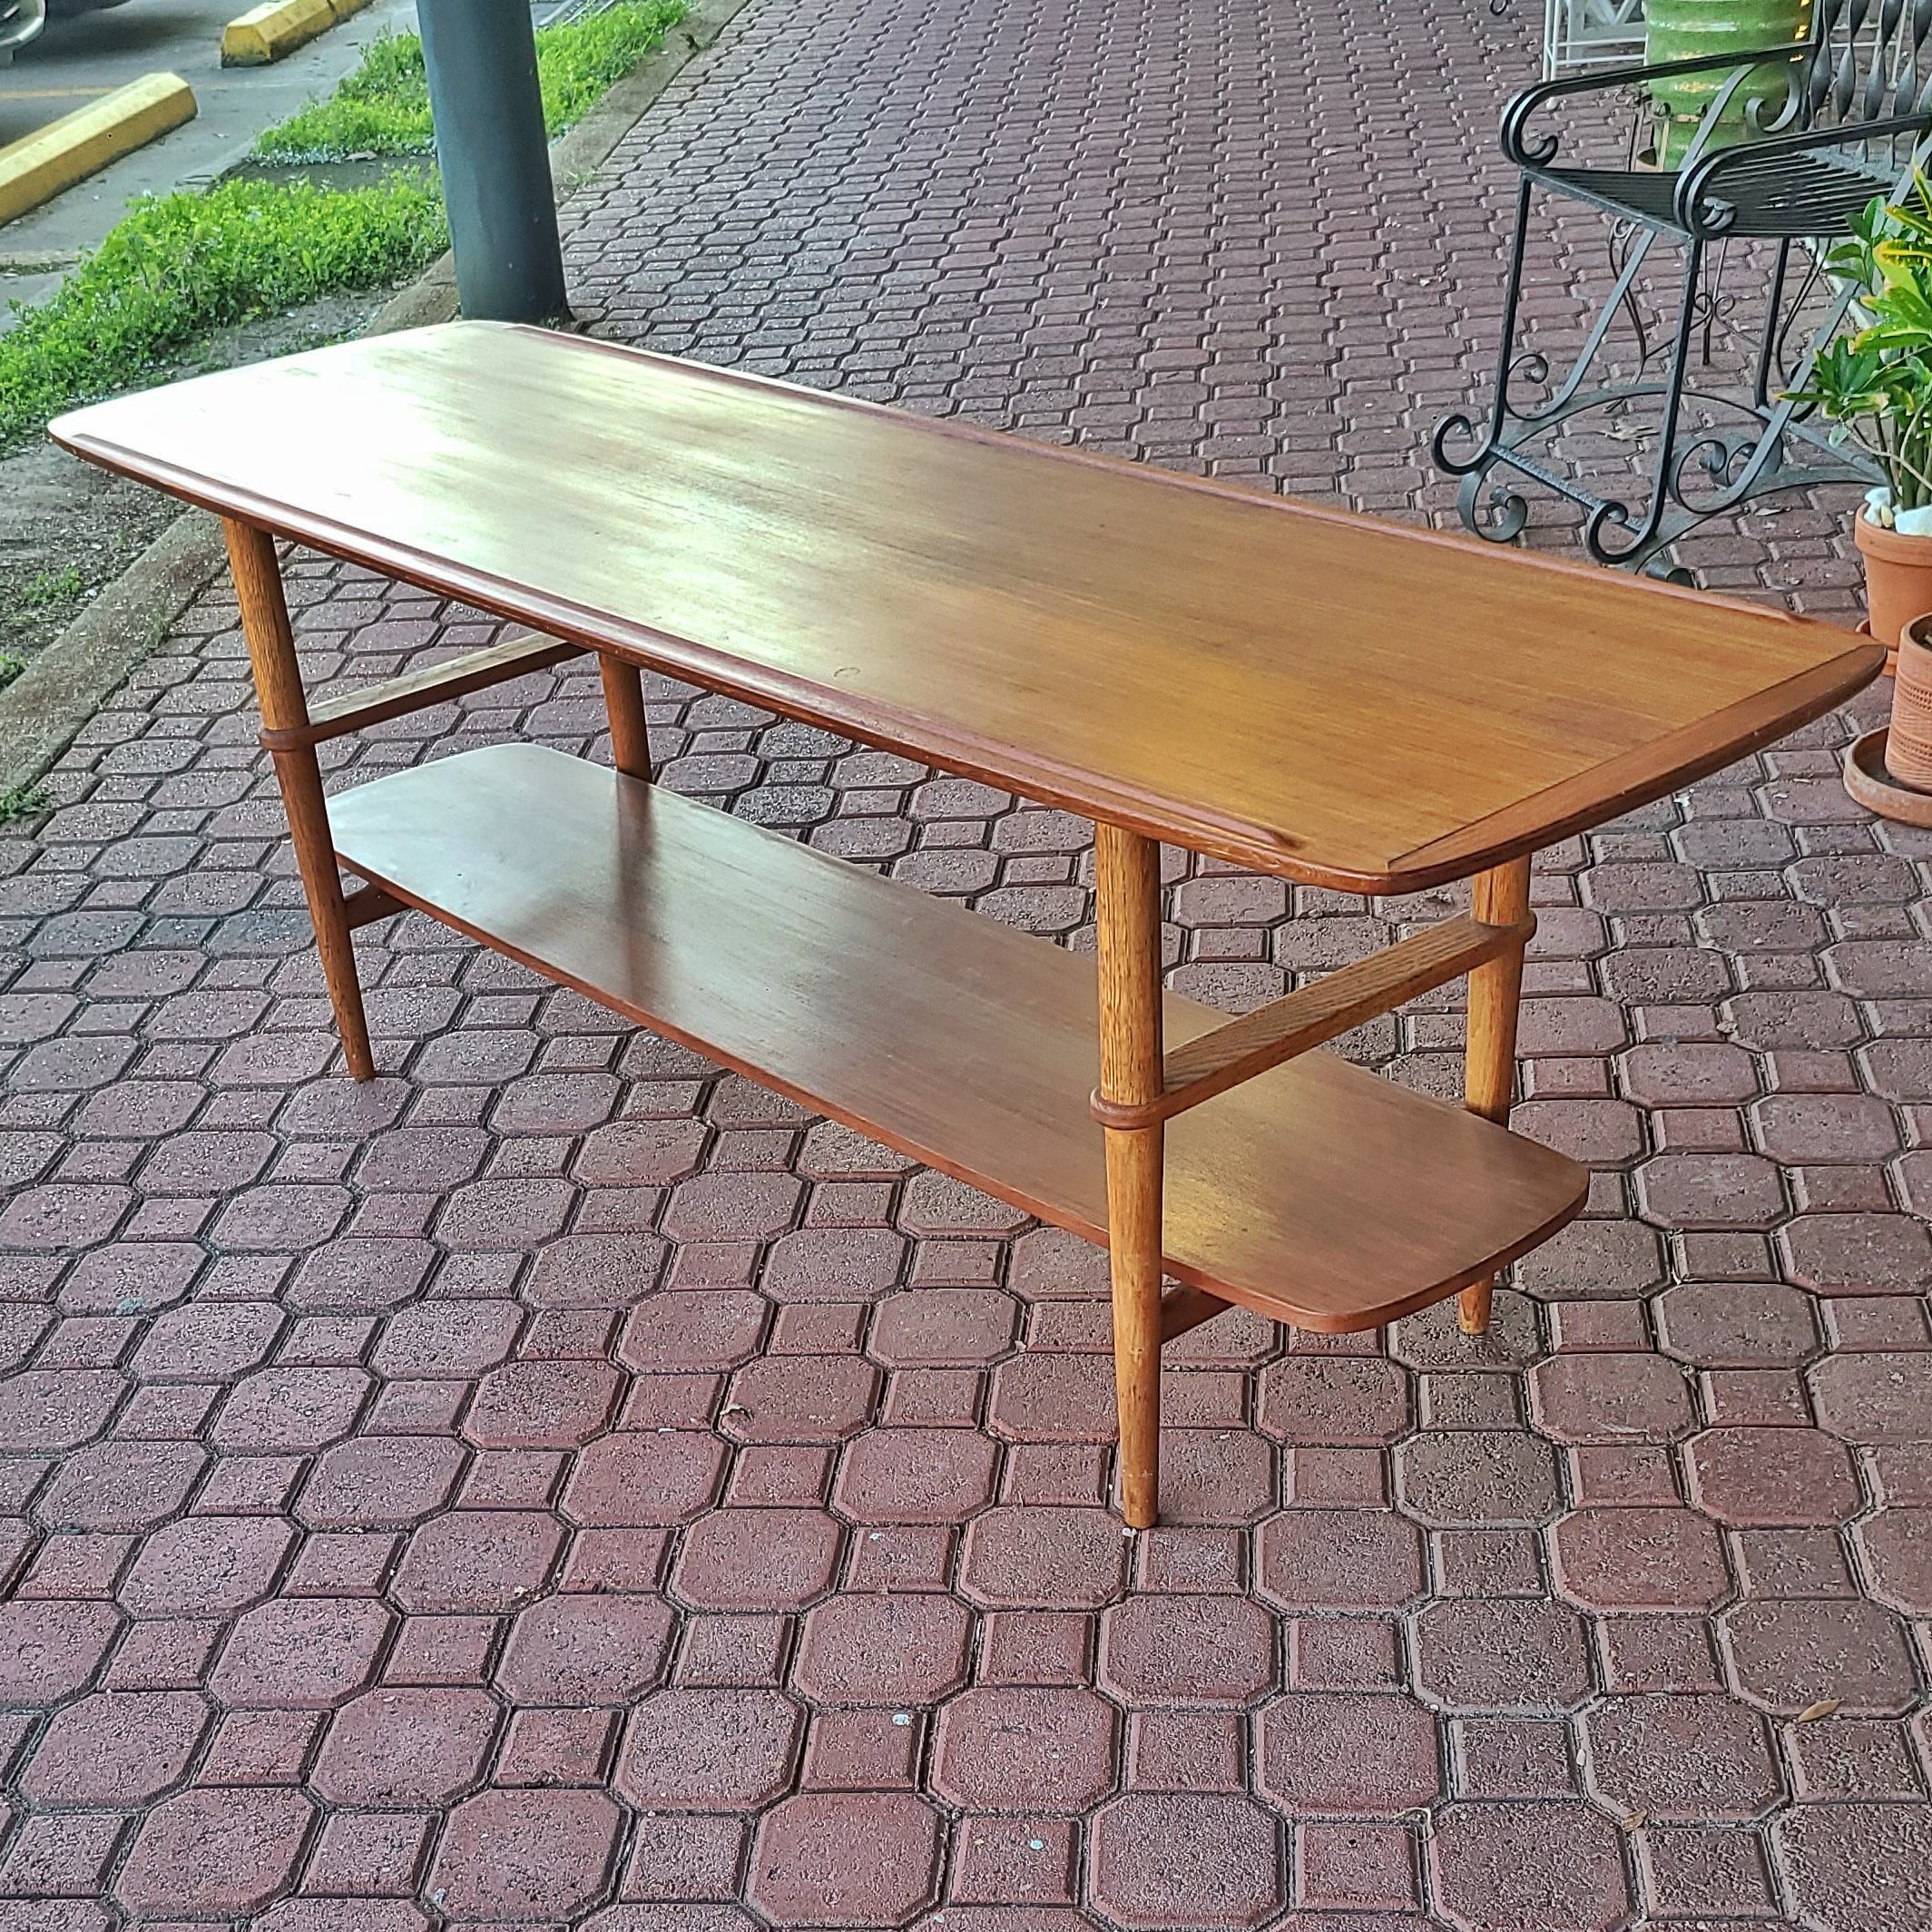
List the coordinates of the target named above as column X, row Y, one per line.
column 218, row 1853
column 731, row 1207
column 1898, row 1545
column 524, row 1855
column 1545, row 1867
column 682, row 1330
column 1857, row 1254
column 903, row 1648
column 404, row 1747
column 800, row 1398
column 1338, row 1559
column 1785, row 1654
column 290, row 1411
column 1610, row 1397
column 300, row 1653
column 116, row 1748
column 1333, row 1398
column 860, row 1859
column 1160, row 1649
column 943, row 1328
column 1641, row 1558
column 541, row 1405
column 756, row 1559
column 1214, row 1477
column 447, row 1337
column 1858, row 1867
column 1054, row 1395
column 1025, row 1748
column 46, row 1410
column 485, row 1560
column 1500, row 1653
column 1450, row 1477
column 636, row 1479
column 1876, row 1397
column 217, row 1340
column 1159, row 1863
column 586, row 1648
column 709, row 1750
column 118, row 1485
column 833, row 1264
column 1736, row 1324
column 1751, row 1477
column 206, row 1565
column 916, row 1475
column 594, row 1270
column 1681, row 1758
column 379, row 1482
column 1356, row 1753
column 1432, row 1339
column 50, row 1647
column 1041, row 1555
column 1700, row 1191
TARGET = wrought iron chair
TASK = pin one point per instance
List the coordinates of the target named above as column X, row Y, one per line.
column 1832, row 121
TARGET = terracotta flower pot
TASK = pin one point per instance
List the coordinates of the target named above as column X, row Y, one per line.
column 1897, row 578
column 1909, row 737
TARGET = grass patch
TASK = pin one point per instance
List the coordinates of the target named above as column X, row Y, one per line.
column 24, row 801
column 10, row 669
column 184, row 265
column 383, row 107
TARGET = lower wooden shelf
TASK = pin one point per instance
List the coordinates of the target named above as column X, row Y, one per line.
column 1317, row 1195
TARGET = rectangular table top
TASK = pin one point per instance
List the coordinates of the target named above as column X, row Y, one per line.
column 1320, row 695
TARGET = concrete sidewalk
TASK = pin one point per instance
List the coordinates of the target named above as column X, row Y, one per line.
column 559, row 1484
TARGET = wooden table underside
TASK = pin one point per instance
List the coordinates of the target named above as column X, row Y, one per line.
column 1174, row 658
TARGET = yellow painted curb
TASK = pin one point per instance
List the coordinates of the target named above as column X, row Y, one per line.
column 38, row 167
column 267, row 32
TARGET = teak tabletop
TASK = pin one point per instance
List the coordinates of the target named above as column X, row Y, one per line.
column 1346, row 702
column 1333, row 700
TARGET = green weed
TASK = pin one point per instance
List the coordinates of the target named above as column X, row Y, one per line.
column 24, row 801
column 47, row 591
column 184, row 265
column 383, row 107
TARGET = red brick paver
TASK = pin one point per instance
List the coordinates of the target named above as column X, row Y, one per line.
column 558, row 1485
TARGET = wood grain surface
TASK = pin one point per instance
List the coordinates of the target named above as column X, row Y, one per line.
column 1317, row 1193
column 1316, row 694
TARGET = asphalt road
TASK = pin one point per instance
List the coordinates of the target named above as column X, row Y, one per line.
column 76, row 60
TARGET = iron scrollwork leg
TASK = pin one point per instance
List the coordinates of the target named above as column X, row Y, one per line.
column 1512, row 512
column 1606, row 515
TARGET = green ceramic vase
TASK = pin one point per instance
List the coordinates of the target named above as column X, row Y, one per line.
column 1676, row 30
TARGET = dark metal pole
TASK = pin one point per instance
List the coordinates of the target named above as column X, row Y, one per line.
column 481, row 56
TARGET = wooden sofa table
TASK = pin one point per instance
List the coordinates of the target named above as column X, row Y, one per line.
column 1308, row 693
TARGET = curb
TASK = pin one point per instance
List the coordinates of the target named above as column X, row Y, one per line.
column 268, row 33
column 47, row 704
column 37, row 167
column 46, row 707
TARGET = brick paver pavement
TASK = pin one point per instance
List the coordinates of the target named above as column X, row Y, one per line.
column 560, row 1483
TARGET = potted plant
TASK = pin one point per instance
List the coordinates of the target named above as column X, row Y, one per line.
column 1874, row 384
column 1676, row 30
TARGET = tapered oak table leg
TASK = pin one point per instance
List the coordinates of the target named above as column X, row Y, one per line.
column 1489, row 1071
column 284, row 708
column 624, row 703
column 1128, row 876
